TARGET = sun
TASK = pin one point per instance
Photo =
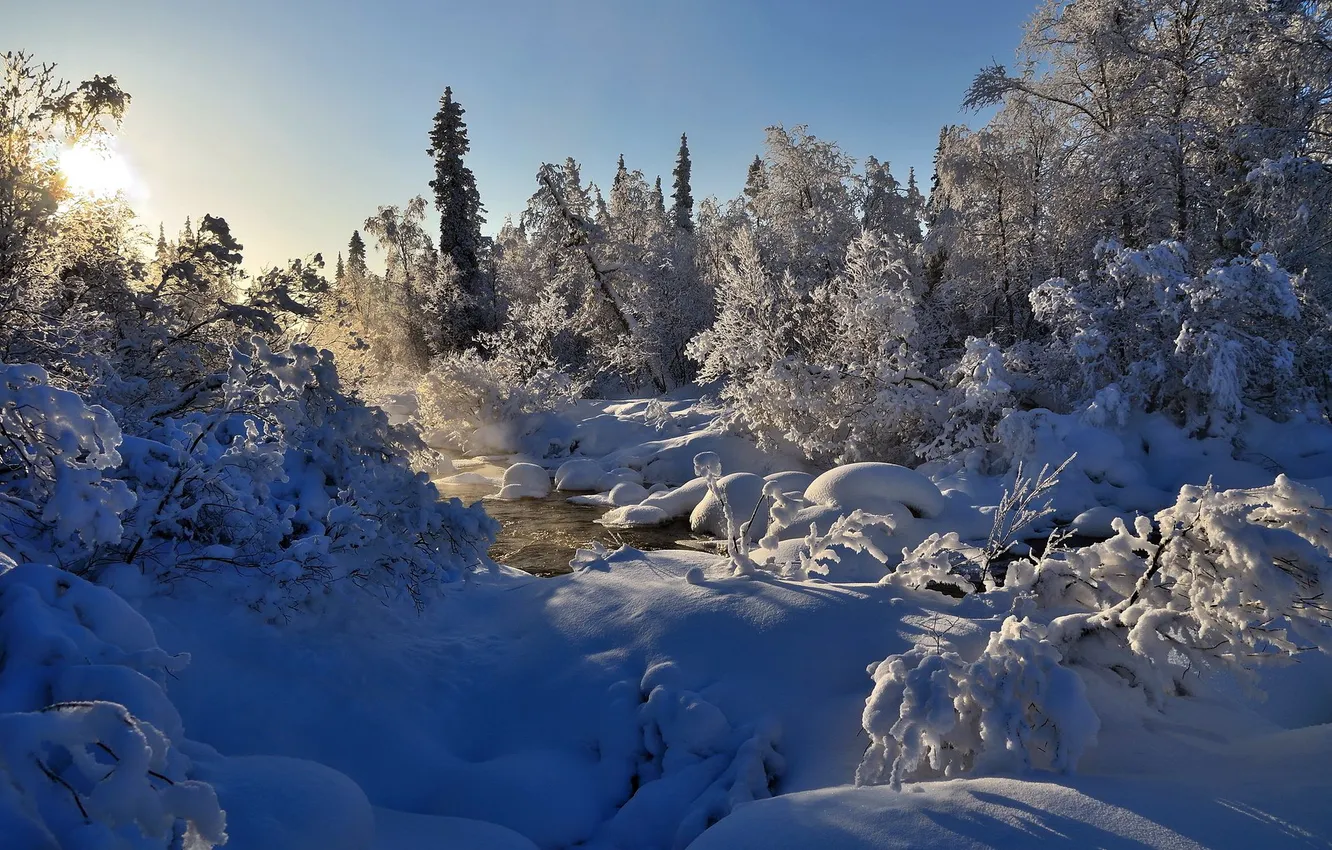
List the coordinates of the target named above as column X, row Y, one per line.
column 95, row 170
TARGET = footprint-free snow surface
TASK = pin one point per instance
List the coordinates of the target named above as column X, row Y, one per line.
column 624, row 707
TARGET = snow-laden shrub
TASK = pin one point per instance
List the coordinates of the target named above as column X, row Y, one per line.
column 88, row 739
column 851, row 532
column 290, row 491
column 270, row 481
column 1014, row 708
column 55, row 452
column 946, row 563
column 783, row 510
column 980, row 393
column 1231, row 576
column 1204, row 347
column 941, row 562
column 1222, row 577
column 463, row 392
column 674, row 745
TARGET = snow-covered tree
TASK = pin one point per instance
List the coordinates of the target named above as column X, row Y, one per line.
column 1205, row 346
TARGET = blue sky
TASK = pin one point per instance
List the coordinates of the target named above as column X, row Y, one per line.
column 295, row 119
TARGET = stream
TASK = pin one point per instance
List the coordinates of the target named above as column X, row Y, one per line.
column 539, row 536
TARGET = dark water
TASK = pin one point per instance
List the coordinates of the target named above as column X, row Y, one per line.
column 539, row 536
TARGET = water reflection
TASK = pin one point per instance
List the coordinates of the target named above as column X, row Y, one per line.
column 539, row 536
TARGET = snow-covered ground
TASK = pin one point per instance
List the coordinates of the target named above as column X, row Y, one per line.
column 623, row 706
column 675, row 699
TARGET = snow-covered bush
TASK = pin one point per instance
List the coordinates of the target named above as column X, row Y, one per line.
column 980, row 393
column 55, row 453
column 1204, row 347
column 707, row 465
column 850, row 532
column 273, row 483
column 1015, row 707
column 944, row 562
column 463, row 392
column 1233, row 576
column 680, row 747
column 941, row 562
column 290, row 491
column 88, row 739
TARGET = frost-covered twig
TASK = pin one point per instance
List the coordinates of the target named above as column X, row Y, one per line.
column 1027, row 502
column 707, row 465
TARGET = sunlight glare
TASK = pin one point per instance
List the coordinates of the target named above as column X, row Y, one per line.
column 96, row 170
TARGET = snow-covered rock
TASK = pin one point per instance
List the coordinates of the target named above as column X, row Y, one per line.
column 743, row 491
column 627, row 493
column 524, row 481
column 611, row 477
column 635, row 516
column 681, row 500
column 874, row 488
column 579, row 474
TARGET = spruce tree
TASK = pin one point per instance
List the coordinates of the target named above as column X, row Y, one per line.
column 620, row 173
column 340, row 271
column 658, row 199
column 755, row 182
column 356, row 255
column 460, row 215
column 682, row 211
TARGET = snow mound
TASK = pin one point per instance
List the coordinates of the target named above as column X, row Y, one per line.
column 791, row 481
column 581, row 473
column 524, row 481
column 743, row 492
column 627, row 493
column 681, row 500
column 635, row 516
column 278, row 803
column 396, row 830
column 872, row 486
column 468, row 479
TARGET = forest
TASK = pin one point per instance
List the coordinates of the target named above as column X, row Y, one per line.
column 1002, row 493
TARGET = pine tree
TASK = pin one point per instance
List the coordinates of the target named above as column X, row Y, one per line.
column 356, row 254
column 460, row 216
column 682, row 212
column 339, row 272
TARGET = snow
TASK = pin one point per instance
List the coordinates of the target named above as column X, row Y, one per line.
column 635, row 516
column 743, row 495
column 524, row 481
column 663, row 700
column 579, row 474
column 870, row 486
column 395, row 830
column 666, row 652
column 278, row 803
column 1009, row 813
